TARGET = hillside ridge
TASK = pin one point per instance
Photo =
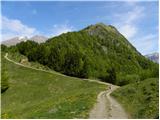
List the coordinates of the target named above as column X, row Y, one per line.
column 97, row 51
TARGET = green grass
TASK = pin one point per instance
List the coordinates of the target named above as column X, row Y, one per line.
column 37, row 94
column 18, row 57
column 141, row 99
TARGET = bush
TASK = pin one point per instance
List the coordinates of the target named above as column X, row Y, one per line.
column 73, row 63
column 126, row 79
column 4, row 48
column 149, row 73
column 109, row 76
column 27, row 47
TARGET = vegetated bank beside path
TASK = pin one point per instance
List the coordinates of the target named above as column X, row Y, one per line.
column 106, row 106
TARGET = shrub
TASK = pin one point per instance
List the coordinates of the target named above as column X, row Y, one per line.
column 126, row 79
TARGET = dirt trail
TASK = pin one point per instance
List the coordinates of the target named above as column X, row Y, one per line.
column 107, row 107
column 52, row 72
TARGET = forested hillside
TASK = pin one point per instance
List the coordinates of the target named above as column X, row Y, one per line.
column 98, row 51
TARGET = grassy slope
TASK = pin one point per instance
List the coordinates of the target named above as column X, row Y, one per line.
column 140, row 99
column 36, row 94
column 17, row 57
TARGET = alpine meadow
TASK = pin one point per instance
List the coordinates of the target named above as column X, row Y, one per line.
column 92, row 72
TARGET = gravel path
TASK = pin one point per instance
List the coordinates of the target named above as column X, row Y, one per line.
column 107, row 107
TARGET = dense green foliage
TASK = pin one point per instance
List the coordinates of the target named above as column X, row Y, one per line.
column 17, row 57
column 4, row 48
column 38, row 94
column 98, row 51
column 141, row 99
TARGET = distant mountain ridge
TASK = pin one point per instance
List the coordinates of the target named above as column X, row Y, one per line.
column 154, row 57
column 15, row 40
column 39, row 38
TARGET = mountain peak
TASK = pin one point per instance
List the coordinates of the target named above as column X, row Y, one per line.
column 100, row 24
column 107, row 27
column 15, row 40
column 101, row 29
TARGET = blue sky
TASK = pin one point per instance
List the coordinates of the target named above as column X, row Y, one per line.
column 137, row 21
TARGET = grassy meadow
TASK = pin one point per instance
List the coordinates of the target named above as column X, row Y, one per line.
column 140, row 99
column 37, row 94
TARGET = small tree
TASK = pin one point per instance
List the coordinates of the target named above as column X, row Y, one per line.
column 112, row 75
column 4, row 48
column 87, row 67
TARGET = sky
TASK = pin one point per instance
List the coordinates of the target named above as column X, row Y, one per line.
column 137, row 21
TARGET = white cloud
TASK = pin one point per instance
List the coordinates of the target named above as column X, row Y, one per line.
column 128, row 24
column 34, row 11
column 128, row 30
column 13, row 27
column 147, row 43
column 127, row 21
column 131, row 3
column 61, row 28
column 134, row 15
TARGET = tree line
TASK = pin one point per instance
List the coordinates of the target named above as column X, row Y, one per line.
column 81, row 55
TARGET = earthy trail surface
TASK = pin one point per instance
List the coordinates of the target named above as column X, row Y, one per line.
column 106, row 106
